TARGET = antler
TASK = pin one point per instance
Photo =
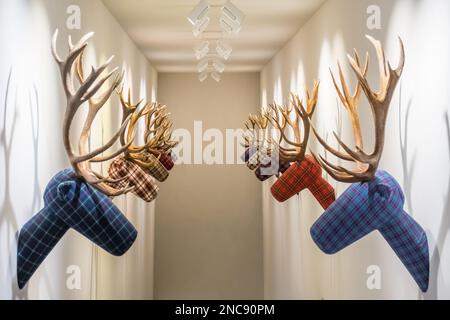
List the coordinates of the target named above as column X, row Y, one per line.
column 379, row 102
column 297, row 153
column 157, row 135
column 351, row 103
column 257, row 129
column 86, row 91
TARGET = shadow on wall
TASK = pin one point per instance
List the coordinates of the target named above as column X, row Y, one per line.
column 8, row 217
column 407, row 166
column 436, row 276
column 408, row 174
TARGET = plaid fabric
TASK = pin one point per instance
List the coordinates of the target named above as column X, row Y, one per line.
column 166, row 161
column 263, row 175
column 307, row 174
column 250, row 156
column 157, row 170
column 71, row 203
column 255, row 160
column 144, row 185
column 377, row 205
column 284, row 166
column 247, row 154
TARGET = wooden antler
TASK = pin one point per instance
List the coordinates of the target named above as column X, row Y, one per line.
column 379, row 102
column 351, row 103
column 257, row 134
column 298, row 150
column 85, row 92
column 157, row 135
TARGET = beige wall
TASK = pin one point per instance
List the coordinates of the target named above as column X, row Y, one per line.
column 209, row 222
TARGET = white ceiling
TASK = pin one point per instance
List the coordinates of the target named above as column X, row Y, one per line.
column 162, row 32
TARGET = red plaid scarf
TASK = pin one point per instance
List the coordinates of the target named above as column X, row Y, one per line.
column 144, row 184
column 299, row 176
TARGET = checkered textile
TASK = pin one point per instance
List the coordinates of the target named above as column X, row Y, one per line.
column 260, row 175
column 377, row 205
column 249, row 152
column 263, row 175
column 299, row 176
column 254, row 160
column 144, row 184
column 166, row 161
column 284, row 166
column 71, row 203
column 157, row 170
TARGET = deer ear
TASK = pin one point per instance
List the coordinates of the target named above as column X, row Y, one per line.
column 382, row 191
column 66, row 190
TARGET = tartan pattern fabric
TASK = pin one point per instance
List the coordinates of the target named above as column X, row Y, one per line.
column 284, row 166
column 249, row 152
column 377, row 205
column 257, row 159
column 71, row 203
column 250, row 155
column 157, row 170
column 166, row 161
column 262, row 176
column 144, row 184
column 304, row 175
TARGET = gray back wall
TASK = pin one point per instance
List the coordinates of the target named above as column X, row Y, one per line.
column 209, row 218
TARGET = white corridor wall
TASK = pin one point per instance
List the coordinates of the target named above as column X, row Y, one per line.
column 417, row 148
column 31, row 148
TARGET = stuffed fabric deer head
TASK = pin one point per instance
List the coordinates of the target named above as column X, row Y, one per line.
column 297, row 170
column 304, row 172
column 71, row 203
column 375, row 200
column 78, row 198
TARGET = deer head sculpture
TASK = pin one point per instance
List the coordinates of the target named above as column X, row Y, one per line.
column 79, row 197
column 263, row 151
column 304, row 172
column 154, row 156
column 375, row 200
column 379, row 102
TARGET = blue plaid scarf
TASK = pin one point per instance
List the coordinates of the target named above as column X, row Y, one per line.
column 377, row 205
column 71, row 203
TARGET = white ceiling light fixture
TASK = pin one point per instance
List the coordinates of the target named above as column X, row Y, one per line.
column 200, row 27
column 199, row 18
column 203, row 76
column 231, row 18
column 218, row 65
column 223, row 49
column 201, row 50
column 202, row 65
column 199, row 12
column 216, row 76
